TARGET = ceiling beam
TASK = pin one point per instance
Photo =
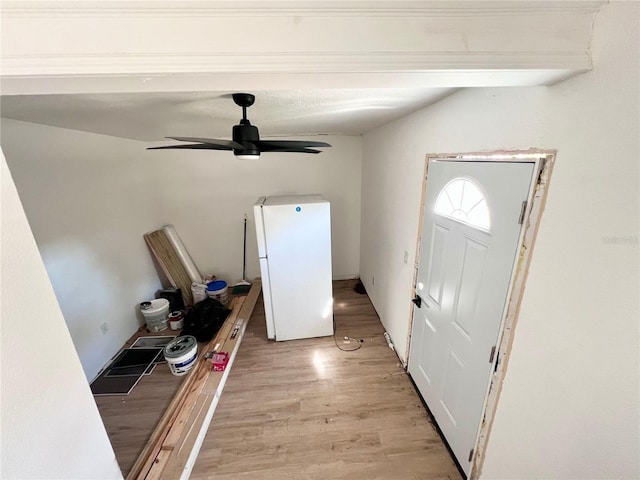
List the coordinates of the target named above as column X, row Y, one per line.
column 113, row 46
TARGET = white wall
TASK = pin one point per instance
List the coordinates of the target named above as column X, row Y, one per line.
column 50, row 424
column 205, row 195
column 90, row 198
column 569, row 408
column 88, row 201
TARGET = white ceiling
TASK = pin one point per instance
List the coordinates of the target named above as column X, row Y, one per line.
column 150, row 116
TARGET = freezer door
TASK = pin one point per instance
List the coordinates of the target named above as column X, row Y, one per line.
column 266, row 296
column 298, row 244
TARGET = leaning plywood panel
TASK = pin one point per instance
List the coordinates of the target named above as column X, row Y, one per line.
column 174, row 259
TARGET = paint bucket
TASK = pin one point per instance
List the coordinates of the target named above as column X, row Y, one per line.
column 156, row 313
column 218, row 291
column 176, row 320
column 199, row 292
column 181, row 354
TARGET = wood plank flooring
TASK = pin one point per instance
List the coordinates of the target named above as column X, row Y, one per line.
column 303, row 409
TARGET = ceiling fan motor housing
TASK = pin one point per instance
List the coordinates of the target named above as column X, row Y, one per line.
column 246, row 135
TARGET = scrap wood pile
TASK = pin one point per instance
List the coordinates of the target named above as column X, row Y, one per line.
column 169, row 447
column 174, row 259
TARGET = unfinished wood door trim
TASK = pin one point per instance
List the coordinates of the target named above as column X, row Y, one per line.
column 544, row 161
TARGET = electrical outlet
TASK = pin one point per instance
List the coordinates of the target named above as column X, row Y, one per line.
column 406, row 257
column 373, row 280
column 104, row 327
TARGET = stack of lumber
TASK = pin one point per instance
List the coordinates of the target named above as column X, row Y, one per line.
column 173, row 258
column 174, row 444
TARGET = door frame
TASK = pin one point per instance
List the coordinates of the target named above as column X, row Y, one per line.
column 544, row 161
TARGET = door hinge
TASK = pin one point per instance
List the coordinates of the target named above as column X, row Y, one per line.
column 524, row 209
column 471, row 454
column 492, row 354
column 418, row 301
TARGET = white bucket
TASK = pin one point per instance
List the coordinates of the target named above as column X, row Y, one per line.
column 176, row 320
column 181, row 354
column 199, row 292
column 156, row 315
column 218, row 291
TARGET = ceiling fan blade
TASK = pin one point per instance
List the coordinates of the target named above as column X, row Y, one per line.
column 300, row 150
column 211, row 141
column 290, row 144
column 193, row 146
column 292, row 150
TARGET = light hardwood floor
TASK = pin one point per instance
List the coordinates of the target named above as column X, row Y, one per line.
column 303, row 409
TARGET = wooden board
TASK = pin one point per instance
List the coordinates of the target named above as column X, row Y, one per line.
column 212, row 390
column 181, row 402
column 201, row 373
column 172, row 441
column 170, row 263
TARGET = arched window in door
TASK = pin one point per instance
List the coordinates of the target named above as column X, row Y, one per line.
column 462, row 200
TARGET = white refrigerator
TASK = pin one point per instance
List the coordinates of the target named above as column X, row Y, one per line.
column 294, row 246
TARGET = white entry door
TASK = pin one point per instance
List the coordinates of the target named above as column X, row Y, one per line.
column 470, row 238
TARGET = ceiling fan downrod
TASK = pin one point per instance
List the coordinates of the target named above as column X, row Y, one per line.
column 244, row 100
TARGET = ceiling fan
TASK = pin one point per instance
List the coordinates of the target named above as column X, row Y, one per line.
column 246, row 143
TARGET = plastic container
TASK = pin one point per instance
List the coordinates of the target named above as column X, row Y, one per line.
column 156, row 314
column 199, row 292
column 218, row 291
column 181, row 354
column 176, row 320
